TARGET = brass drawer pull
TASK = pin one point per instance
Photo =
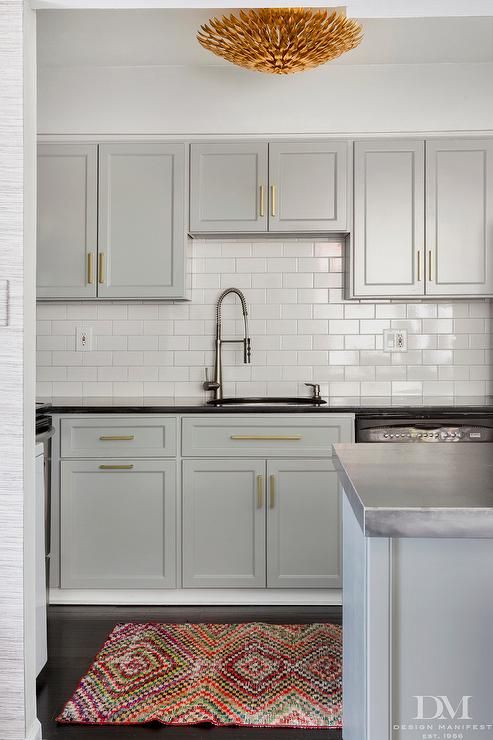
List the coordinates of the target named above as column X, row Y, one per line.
column 101, row 275
column 262, row 201
column 90, row 271
column 265, row 437
column 419, row 265
column 115, row 467
column 260, row 491
column 429, row 265
column 116, row 437
column 273, row 193
column 272, row 491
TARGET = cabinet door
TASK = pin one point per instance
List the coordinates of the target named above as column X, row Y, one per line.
column 67, row 220
column 224, row 523
column 459, row 217
column 303, row 524
column 228, row 184
column 118, row 527
column 388, row 238
column 142, row 221
column 308, row 186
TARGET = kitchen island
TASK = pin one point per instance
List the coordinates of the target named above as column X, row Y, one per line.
column 417, row 591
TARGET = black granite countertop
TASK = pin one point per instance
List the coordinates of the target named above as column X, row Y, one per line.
column 403, row 406
column 407, row 490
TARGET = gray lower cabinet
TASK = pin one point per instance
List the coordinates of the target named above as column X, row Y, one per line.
column 303, row 524
column 118, row 524
column 141, row 220
column 308, row 186
column 459, row 217
column 67, row 220
column 224, row 523
column 228, row 184
column 387, row 243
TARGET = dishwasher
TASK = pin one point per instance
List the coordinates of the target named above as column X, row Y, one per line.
column 436, row 429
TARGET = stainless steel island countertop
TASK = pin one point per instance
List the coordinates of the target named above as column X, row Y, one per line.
column 403, row 490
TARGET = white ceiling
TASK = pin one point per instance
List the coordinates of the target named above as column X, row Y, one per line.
column 354, row 8
column 167, row 37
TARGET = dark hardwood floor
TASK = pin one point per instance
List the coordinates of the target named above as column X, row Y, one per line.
column 76, row 633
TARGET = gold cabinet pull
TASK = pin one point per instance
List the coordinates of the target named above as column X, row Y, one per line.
column 262, row 201
column 430, row 260
column 419, row 265
column 272, row 491
column 90, row 271
column 101, row 275
column 260, row 491
column 116, row 438
column 273, row 194
column 115, row 467
column 264, row 437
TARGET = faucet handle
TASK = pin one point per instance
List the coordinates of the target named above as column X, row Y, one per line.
column 316, row 390
column 209, row 385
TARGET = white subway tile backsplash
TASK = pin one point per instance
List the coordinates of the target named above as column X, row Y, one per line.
column 297, row 280
column 313, row 295
column 143, row 311
column 111, row 373
column 391, row 311
column 344, row 326
column 359, row 311
column 313, row 264
column 301, row 326
column 359, row 341
column 345, row 357
column 376, row 388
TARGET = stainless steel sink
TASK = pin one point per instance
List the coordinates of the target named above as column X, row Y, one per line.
column 266, row 401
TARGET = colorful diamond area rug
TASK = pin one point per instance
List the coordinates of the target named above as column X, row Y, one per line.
column 254, row 674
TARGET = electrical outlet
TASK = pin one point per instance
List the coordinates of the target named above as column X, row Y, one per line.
column 83, row 339
column 395, row 340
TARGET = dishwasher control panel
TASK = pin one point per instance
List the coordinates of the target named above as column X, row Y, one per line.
column 373, row 430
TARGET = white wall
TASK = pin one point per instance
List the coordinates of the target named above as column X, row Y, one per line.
column 217, row 100
column 144, row 73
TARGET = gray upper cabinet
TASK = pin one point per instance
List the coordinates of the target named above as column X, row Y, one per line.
column 303, row 524
column 118, row 523
column 229, row 183
column 459, row 216
column 223, row 523
column 141, row 221
column 67, row 220
column 308, row 186
column 387, row 250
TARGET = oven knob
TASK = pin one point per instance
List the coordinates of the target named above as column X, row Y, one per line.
column 419, row 435
column 385, row 436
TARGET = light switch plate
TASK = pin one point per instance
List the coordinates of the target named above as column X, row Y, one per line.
column 395, row 340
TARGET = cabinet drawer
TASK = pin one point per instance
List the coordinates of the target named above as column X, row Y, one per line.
column 264, row 435
column 152, row 436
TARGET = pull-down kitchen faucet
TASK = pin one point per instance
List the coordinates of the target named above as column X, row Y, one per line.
column 216, row 385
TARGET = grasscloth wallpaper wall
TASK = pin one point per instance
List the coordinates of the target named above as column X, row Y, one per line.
column 301, row 329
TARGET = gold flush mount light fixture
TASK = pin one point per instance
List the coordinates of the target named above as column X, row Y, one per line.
column 280, row 40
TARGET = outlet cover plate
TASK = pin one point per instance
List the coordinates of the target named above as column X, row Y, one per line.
column 83, row 339
column 395, row 340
